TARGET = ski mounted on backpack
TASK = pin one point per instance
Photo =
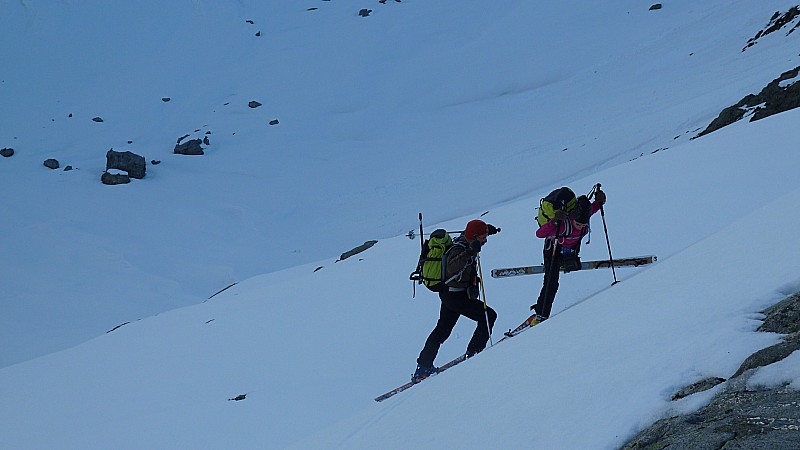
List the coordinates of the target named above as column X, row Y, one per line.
column 635, row 261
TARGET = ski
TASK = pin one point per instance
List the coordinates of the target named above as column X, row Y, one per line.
column 402, row 388
column 585, row 265
column 528, row 323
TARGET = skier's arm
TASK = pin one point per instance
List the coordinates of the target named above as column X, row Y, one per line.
column 550, row 228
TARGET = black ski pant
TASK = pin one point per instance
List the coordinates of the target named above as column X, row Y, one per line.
column 552, row 265
column 455, row 305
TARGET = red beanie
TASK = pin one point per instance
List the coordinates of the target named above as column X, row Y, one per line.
column 475, row 228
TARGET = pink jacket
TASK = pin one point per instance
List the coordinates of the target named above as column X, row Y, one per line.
column 569, row 236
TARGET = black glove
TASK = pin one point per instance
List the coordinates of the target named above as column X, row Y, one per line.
column 600, row 196
column 559, row 216
column 475, row 246
column 492, row 229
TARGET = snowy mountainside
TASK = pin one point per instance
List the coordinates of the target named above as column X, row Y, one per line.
column 309, row 350
column 508, row 102
column 519, row 98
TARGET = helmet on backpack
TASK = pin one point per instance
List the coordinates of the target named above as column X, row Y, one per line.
column 582, row 210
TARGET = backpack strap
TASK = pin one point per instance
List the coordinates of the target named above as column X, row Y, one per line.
column 461, row 244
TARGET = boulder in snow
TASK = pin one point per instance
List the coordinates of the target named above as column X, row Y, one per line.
column 114, row 178
column 191, row 147
column 130, row 162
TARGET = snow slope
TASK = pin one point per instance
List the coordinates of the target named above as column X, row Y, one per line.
column 499, row 105
column 311, row 349
column 516, row 98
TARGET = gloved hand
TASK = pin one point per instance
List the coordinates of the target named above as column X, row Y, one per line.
column 475, row 246
column 560, row 216
column 600, row 196
column 492, row 229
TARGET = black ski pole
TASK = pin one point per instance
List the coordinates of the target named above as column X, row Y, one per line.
column 421, row 239
column 421, row 251
column 608, row 243
column 485, row 306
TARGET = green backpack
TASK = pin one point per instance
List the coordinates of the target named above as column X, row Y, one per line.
column 560, row 199
column 429, row 268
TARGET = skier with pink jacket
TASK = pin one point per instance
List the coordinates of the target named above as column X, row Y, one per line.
column 562, row 241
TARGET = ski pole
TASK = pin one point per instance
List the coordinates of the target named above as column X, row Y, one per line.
column 485, row 306
column 421, row 251
column 421, row 241
column 608, row 243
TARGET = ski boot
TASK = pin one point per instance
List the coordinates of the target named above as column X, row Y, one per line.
column 423, row 372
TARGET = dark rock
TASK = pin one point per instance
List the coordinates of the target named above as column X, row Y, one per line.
column 51, row 163
column 258, row 34
column 274, row 122
column 206, row 141
column 776, row 22
column 112, row 179
column 7, row 152
column 155, row 162
column 655, row 7
column 700, row 386
column 357, row 250
column 740, row 416
column 182, row 138
column 97, row 119
column 67, row 169
column 254, row 104
column 165, row 99
column 783, row 317
column 769, row 355
column 238, row 398
column 191, row 147
column 364, row 12
column 130, row 162
column 774, row 97
column 117, row 327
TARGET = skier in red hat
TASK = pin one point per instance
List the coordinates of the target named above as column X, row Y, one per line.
column 460, row 298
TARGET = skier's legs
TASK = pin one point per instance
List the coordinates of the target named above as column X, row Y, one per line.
column 552, row 264
column 444, row 326
column 472, row 309
column 481, row 335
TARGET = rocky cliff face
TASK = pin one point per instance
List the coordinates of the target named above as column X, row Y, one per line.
column 742, row 415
